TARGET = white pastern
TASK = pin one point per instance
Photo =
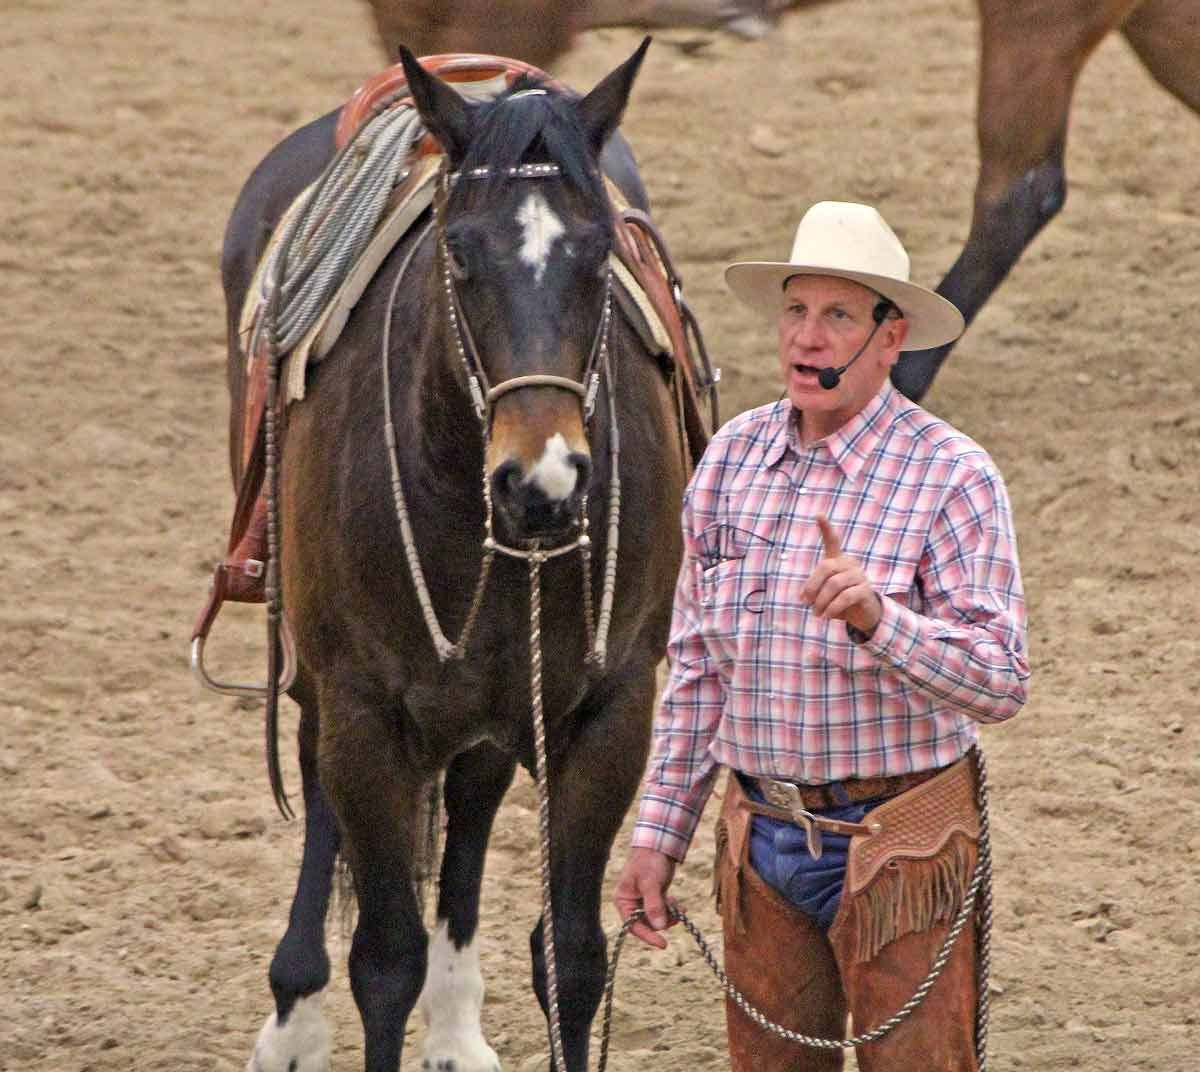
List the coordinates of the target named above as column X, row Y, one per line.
column 540, row 227
column 451, row 1001
column 299, row 1044
column 554, row 473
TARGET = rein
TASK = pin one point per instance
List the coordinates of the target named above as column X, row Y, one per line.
column 483, row 396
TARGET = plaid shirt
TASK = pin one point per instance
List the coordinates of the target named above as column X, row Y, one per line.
column 761, row 684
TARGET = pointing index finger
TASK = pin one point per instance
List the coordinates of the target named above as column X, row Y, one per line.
column 833, row 546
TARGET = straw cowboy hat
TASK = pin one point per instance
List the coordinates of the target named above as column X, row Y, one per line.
column 852, row 242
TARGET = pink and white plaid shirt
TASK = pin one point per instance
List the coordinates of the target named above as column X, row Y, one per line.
column 760, row 684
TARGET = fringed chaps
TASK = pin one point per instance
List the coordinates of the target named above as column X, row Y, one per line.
column 904, row 886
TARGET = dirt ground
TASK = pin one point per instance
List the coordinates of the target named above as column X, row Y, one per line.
column 144, row 874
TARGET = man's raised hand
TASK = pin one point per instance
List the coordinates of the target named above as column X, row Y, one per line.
column 838, row 587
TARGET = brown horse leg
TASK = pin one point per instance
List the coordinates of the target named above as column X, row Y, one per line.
column 591, row 787
column 1166, row 36
column 476, row 782
column 296, row 1035
column 1032, row 53
column 373, row 789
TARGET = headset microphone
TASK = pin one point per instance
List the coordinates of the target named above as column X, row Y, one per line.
column 829, row 378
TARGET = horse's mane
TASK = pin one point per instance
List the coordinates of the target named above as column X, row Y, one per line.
column 539, row 128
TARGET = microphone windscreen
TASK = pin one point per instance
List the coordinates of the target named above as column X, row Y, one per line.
column 829, row 378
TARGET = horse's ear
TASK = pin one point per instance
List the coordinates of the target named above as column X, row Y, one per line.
column 602, row 108
column 442, row 110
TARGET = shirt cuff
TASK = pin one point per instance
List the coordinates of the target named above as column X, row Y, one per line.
column 667, row 819
column 896, row 635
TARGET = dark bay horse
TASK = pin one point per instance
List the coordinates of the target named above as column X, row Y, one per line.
column 1032, row 52
column 509, row 286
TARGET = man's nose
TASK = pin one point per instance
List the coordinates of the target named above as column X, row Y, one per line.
column 810, row 333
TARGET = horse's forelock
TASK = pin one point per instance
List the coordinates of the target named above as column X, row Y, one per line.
column 532, row 128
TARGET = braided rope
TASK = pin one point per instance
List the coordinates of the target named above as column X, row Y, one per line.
column 334, row 225
column 539, row 743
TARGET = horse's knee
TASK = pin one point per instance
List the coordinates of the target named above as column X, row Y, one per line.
column 299, row 968
column 387, row 968
column 1006, row 219
column 581, row 960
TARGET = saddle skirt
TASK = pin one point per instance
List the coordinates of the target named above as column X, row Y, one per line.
column 647, row 289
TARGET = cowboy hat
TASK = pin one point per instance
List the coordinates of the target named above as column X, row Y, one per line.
column 852, row 242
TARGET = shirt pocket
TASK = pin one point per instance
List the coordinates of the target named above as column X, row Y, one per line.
column 734, row 567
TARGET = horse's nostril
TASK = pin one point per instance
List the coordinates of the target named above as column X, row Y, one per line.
column 506, row 480
column 583, row 471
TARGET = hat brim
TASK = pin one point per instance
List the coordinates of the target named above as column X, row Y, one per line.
column 932, row 320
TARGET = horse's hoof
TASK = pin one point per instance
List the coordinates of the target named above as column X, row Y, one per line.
column 481, row 1059
column 300, row 1044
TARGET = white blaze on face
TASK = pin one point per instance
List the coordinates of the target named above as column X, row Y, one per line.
column 451, row 1001
column 540, row 227
column 554, row 473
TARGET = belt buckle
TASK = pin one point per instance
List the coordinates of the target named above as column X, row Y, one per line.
column 787, row 796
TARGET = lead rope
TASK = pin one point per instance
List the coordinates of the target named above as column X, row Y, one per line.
column 539, row 747
column 981, row 886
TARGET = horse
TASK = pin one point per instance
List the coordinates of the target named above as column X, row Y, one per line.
column 1032, row 52
column 455, row 512
column 539, row 31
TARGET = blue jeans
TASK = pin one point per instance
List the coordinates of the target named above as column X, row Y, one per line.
column 779, row 853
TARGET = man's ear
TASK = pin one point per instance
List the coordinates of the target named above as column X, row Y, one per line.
column 894, row 331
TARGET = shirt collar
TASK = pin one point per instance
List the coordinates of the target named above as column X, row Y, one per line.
column 850, row 446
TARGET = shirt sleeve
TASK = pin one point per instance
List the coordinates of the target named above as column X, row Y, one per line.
column 967, row 646
column 682, row 771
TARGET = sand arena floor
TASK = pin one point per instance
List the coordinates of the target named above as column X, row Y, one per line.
column 144, row 874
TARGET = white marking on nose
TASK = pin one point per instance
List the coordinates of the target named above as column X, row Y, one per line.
column 451, row 1001
column 540, row 227
column 554, row 473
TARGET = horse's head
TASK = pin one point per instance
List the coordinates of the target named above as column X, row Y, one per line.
column 524, row 235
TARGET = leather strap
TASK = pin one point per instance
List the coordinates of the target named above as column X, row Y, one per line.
column 850, row 791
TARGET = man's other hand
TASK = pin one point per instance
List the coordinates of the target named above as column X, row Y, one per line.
column 643, row 884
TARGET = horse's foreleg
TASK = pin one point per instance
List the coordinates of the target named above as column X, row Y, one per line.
column 1166, row 36
column 591, row 787
column 295, row 1037
column 1032, row 53
column 452, row 997
column 373, row 789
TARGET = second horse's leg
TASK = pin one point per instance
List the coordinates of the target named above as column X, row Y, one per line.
column 452, row 997
column 591, row 786
column 374, row 790
column 1032, row 53
column 295, row 1037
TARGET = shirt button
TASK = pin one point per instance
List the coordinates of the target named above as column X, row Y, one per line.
column 783, row 553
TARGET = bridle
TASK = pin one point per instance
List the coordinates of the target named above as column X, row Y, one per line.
column 483, row 397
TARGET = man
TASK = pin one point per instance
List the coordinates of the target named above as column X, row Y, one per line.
column 848, row 611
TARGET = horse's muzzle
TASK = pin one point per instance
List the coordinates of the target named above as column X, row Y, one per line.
column 535, row 506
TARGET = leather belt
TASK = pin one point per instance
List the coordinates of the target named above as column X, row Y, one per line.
column 851, row 791
column 794, row 803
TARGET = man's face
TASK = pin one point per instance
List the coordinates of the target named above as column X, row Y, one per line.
column 823, row 323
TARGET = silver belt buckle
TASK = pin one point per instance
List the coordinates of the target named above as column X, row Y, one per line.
column 787, row 796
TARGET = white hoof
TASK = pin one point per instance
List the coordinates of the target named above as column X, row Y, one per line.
column 300, row 1044
column 451, row 1001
